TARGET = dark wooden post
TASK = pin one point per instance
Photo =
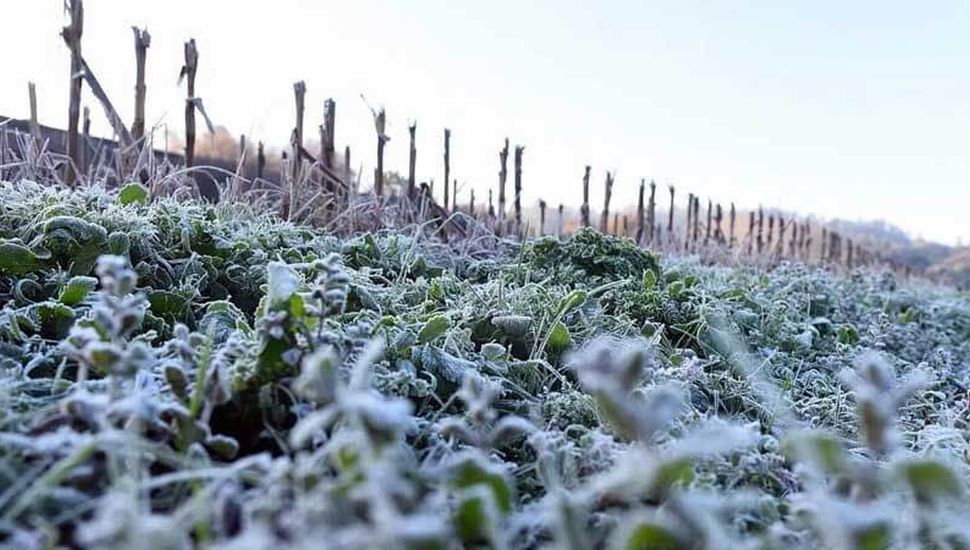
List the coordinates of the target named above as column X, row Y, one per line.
column 454, row 194
column 299, row 94
column 471, row 202
column 584, row 210
column 559, row 224
column 413, row 158
column 640, row 213
column 85, row 140
column 697, row 217
column 142, row 41
column 848, row 251
column 707, row 227
column 733, row 217
column 718, row 219
column 380, row 121
column 36, row 138
column 823, row 254
column 72, row 36
column 329, row 132
column 752, row 230
column 542, row 217
column 652, row 212
column 781, row 236
column 519, row 149
column 447, row 165
column 605, row 217
column 771, row 230
column 491, row 205
column 616, row 224
column 802, row 237
column 260, row 160
column 348, row 171
column 626, row 227
column 503, row 157
column 690, row 216
column 792, row 244
column 188, row 72
column 761, row 230
column 670, row 214
column 807, row 235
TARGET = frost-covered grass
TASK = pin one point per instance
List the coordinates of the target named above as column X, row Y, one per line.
column 178, row 375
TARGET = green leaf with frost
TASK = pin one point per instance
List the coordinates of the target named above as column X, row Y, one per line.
column 433, row 328
column 17, row 259
column 77, row 290
column 648, row 535
column 559, row 338
column 133, row 193
column 930, row 480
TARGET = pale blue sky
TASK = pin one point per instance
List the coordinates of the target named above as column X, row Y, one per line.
column 858, row 110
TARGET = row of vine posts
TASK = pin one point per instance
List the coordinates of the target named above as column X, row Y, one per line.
column 702, row 229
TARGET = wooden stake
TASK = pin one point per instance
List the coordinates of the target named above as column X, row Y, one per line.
column 85, row 140
column 670, row 214
column 519, row 149
column 471, row 203
column 733, row 217
column 413, row 158
column 260, row 160
column 690, row 216
column 329, row 132
column 697, row 215
column 72, row 36
column 542, row 217
column 761, row 230
column 142, row 41
column 825, row 242
column 299, row 95
column 348, row 171
column 652, row 212
column 503, row 157
column 491, row 206
column 640, row 213
column 447, row 164
column 559, row 224
column 707, row 227
column 781, row 236
column 605, row 218
column 751, row 231
column 584, row 210
column 380, row 121
column 718, row 219
column 34, row 125
column 188, row 72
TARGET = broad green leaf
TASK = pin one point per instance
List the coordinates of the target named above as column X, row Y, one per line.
column 559, row 337
column 930, row 480
column 573, row 300
column 472, row 471
column 133, row 193
column 17, row 259
column 76, row 290
column 433, row 328
column 651, row 536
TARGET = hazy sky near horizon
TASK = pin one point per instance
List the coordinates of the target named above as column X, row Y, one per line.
column 858, row 110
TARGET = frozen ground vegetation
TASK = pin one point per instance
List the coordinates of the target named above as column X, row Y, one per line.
column 182, row 375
